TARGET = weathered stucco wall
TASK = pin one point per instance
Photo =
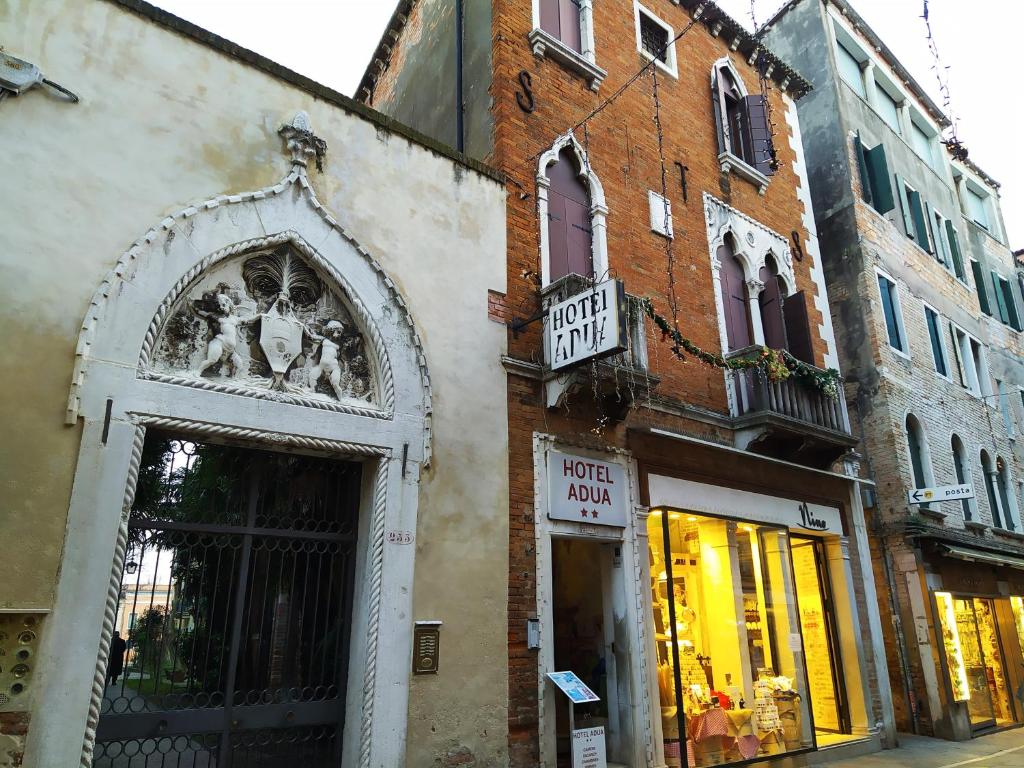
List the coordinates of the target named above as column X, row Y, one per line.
column 165, row 121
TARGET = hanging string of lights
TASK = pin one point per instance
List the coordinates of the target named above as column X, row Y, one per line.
column 953, row 143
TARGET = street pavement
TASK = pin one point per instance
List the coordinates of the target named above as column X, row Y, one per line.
column 997, row 750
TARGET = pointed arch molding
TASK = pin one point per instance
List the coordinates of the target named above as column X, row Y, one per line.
column 295, row 192
column 598, row 207
column 754, row 242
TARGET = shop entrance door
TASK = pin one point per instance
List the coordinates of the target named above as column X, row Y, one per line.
column 587, row 596
column 235, row 610
column 821, row 646
column 989, row 705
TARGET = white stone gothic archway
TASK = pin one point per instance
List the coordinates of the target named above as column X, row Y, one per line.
column 598, row 207
column 130, row 376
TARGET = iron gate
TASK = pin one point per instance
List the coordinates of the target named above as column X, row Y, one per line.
column 235, row 610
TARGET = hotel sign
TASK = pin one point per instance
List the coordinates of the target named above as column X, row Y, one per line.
column 589, row 325
column 586, row 490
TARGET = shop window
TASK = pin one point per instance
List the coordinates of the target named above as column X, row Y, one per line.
column 888, row 108
column 741, row 121
column 979, row 286
column 737, row 618
column 931, row 318
column 655, row 39
column 569, row 229
column 734, row 298
column 964, row 475
column 893, row 315
column 876, row 189
column 850, row 70
column 915, row 220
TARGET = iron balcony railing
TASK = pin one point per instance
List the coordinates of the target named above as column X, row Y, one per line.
column 755, row 394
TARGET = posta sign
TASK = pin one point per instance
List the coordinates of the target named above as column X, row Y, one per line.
column 586, row 490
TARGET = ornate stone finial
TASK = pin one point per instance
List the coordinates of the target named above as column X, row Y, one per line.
column 302, row 142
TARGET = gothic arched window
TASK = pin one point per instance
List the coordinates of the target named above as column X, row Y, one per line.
column 734, row 298
column 570, row 235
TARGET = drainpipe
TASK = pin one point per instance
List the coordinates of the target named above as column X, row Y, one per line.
column 460, row 138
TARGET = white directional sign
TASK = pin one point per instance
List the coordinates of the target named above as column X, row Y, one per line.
column 588, row 325
column 940, row 493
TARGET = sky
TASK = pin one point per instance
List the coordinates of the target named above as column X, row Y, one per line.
column 331, row 41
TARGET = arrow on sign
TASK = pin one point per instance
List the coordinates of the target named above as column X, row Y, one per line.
column 940, row 493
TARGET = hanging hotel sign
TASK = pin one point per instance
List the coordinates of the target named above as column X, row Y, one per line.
column 586, row 490
column 940, row 493
column 587, row 326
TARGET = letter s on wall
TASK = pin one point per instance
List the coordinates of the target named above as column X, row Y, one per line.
column 524, row 98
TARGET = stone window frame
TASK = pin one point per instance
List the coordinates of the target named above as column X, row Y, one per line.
column 670, row 66
column 968, row 506
column 927, row 465
column 897, row 311
column 598, row 208
column 584, row 62
column 728, row 160
column 926, row 308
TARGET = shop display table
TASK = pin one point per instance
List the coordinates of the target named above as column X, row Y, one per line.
column 716, row 733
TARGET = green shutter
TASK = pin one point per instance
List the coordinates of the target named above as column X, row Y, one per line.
column 881, row 187
column 936, row 233
column 908, row 219
column 1000, row 299
column 862, row 167
column 956, row 354
column 979, row 286
column 954, row 249
column 920, row 225
column 1011, row 304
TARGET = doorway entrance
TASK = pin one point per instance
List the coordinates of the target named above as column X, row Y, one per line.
column 990, row 703
column 584, row 592
column 821, row 642
column 234, row 612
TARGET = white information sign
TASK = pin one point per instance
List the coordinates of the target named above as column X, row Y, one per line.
column 588, row 325
column 940, row 493
column 573, row 687
column 586, row 490
column 588, row 750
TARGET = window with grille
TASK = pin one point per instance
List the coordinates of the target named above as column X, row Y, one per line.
column 653, row 38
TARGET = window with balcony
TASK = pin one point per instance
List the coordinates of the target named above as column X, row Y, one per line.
column 744, row 137
column 876, row 188
column 734, row 298
column 893, row 315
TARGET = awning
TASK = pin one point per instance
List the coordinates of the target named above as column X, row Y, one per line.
column 977, row 556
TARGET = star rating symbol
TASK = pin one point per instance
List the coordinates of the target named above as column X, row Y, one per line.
column 593, row 513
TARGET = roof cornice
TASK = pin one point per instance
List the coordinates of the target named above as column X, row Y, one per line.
column 380, row 59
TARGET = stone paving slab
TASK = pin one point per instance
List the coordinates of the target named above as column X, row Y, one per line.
column 997, row 750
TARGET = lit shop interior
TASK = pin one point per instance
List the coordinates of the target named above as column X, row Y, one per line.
column 982, row 641
column 747, row 652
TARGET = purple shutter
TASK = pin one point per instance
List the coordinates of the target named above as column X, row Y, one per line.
column 569, row 231
column 569, row 22
column 770, row 304
column 798, row 328
column 734, row 296
column 549, row 17
column 759, row 146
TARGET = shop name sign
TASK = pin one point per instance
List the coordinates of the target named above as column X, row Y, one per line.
column 586, row 490
column 940, row 493
column 587, row 326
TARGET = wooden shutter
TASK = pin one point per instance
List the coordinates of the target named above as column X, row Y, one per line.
column 954, row 250
column 908, row 218
column 1004, row 315
column 550, row 20
column 561, row 19
column 716, row 96
column 798, row 327
column 734, row 297
column 1011, row 304
column 862, row 167
column 759, row 144
column 881, row 186
column 936, row 233
column 920, row 225
column 979, row 286
column 958, row 356
column 569, row 232
column 770, row 303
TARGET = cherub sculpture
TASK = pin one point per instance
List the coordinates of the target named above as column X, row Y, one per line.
column 223, row 347
column 329, row 363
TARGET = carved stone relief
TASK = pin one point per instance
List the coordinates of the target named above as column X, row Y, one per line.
column 267, row 321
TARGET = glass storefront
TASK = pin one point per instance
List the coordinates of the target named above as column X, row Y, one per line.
column 974, row 630
column 746, row 647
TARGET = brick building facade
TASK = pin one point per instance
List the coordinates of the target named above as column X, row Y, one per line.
column 927, row 304
column 715, row 464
